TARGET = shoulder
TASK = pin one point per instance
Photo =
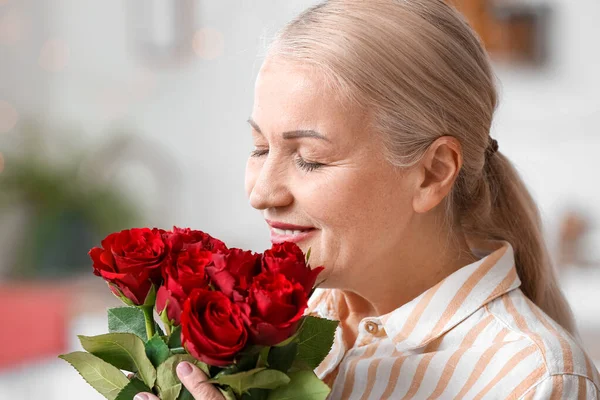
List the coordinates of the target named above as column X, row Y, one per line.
column 554, row 351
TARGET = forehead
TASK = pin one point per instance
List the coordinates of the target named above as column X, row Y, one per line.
column 291, row 95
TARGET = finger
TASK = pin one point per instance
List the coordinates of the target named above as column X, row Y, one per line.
column 145, row 396
column 195, row 381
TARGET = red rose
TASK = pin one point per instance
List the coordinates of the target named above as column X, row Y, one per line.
column 184, row 272
column 212, row 327
column 180, row 238
column 232, row 272
column 131, row 261
column 288, row 259
column 276, row 305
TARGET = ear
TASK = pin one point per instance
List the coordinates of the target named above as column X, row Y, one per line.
column 437, row 172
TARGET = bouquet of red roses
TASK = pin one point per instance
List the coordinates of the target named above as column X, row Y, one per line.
column 237, row 315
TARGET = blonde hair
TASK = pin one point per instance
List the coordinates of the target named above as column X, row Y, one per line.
column 422, row 73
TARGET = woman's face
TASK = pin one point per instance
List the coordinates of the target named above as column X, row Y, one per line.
column 319, row 176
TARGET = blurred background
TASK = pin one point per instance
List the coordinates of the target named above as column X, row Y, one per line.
column 121, row 113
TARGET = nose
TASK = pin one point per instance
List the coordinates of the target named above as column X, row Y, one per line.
column 271, row 186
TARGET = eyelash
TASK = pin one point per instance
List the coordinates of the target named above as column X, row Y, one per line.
column 307, row 166
column 259, row 153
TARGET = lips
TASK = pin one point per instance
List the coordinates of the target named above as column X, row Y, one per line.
column 288, row 227
column 284, row 232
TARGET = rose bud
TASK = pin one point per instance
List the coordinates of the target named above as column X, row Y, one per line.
column 183, row 273
column 180, row 238
column 232, row 272
column 276, row 306
column 131, row 262
column 288, row 259
column 212, row 327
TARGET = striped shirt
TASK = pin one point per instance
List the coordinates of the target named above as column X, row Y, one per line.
column 474, row 335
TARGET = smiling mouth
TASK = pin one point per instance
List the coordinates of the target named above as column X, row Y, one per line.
column 288, row 235
column 288, row 232
column 283, row 232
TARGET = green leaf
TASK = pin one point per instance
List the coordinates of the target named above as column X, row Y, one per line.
column 127, row 320
column 282, row 358
column 256, row 394
column 248, row 359
column 315, row 340
column 164, row 317
column 123, row 350
column 304, row 385
column 171, row 393
column 227, row 393
column 102, row 376
column 157, row 350
column 230, row 370
column 150, row 297
column 308, row 254
column 263, row 357
column 167, row 381
column 258, row 378
column 134, row 387
column 186, row 395
column 175, row 338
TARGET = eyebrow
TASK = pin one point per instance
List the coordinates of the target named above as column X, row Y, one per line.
column 293, row 134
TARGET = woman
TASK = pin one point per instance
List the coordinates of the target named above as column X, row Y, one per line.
column 371, row 125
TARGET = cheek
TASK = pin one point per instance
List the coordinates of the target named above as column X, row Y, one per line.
column 358, row 204
column 339, row 200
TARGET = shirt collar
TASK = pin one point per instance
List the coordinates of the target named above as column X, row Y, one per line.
column 452, row 300
column 442, row 307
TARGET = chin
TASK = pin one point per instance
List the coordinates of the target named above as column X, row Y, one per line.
column 325, row 280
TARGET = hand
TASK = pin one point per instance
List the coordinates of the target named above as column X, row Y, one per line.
column 193, row 379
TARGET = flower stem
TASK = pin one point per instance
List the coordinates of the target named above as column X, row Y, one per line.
column 178, row 350
column 149, row 317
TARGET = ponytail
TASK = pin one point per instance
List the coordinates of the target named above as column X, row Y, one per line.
column 506, row 211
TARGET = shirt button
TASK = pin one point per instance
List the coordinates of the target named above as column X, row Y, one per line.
column 371, row 327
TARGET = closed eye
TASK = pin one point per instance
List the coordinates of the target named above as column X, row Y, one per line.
column 300, row 162
column 259, row 152
column 308, row 166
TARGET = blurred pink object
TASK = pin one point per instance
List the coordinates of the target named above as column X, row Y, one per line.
column 34, row 322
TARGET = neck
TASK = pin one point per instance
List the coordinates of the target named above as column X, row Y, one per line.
column 419, row 264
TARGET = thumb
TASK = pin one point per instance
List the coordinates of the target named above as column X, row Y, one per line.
column 195, row 381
